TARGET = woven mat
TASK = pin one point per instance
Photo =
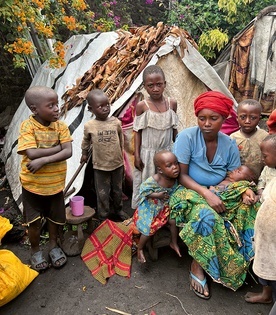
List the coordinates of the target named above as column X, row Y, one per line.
column 108, row 250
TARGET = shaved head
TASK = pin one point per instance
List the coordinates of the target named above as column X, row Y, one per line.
column 272, row 139
column 161, row 156
column 250, row 102
column 35, row 94
column 94, row 94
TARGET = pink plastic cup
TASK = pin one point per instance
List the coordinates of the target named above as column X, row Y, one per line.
column 77, row 205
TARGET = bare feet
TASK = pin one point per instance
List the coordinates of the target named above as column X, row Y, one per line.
column 140, row 256
column 175, row 247
column 200, row 289
column 261, row 297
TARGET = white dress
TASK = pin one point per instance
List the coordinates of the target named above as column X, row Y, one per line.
column 264, row 264
column 157, row 134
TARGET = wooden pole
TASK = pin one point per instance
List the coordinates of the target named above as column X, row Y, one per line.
column 76, row 174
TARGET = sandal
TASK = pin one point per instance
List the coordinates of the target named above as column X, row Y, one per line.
column 55, row 255
column 38, row 259
column 202, row 283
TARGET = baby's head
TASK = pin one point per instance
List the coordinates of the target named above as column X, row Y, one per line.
column 43, row 102
column 268, row 148
column 243, row 173
column 98, row 104
column 249, row 114
column 166, row 164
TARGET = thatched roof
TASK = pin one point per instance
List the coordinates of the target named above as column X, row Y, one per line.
column 122, row 62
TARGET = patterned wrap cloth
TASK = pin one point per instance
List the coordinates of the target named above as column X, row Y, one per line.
column 220, row 243
column 152, row 213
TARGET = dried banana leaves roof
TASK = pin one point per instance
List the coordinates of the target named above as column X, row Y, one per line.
column 122, row 62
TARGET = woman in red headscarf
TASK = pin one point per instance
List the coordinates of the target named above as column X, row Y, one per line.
column 217, row 234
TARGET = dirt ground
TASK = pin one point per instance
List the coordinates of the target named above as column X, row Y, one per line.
column 160, row 287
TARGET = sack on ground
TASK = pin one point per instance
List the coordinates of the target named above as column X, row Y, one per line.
column 5, row 226
column 14, row 276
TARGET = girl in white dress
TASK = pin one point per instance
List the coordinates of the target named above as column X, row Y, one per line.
column 155, row 127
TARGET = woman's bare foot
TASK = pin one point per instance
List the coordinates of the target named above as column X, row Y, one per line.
column 140, row 256
column 175, row 247
column 261, row 297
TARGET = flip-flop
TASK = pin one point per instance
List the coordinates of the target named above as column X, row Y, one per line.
column 202, row 283
column 55, row 255
column 38, row 259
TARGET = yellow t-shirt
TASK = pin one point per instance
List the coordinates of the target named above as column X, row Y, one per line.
column 50, row 179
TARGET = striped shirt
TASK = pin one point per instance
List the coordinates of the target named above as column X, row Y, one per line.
column 50, row 179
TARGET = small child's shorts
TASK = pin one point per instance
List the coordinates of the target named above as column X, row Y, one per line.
column 37, row 206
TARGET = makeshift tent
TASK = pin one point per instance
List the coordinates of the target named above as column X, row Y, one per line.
column 114, row 61
column 248, row 65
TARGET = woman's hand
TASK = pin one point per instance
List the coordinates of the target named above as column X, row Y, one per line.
column 249, row 197
column 214, row 201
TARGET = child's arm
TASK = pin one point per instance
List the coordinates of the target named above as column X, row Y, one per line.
column 174, row 108
column 259, row 193
column 138, row 163
column 121, row 137
column 85, row 145
column 175, row 132
column 36, row 153
column 162, row 195
column 65, row 153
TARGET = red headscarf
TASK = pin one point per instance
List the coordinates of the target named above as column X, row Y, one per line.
column 215, row 101
column 271, row 122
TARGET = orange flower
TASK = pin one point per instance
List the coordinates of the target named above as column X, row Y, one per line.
column 21, row 46
column 79, row 5
column 44, row 29
column 70, row 22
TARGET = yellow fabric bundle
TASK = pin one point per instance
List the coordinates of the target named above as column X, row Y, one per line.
column 14, row 275
column 5, row 226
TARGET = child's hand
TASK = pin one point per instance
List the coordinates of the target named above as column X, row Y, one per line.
column 83, row 158
column 138, row 163
column 35, row 165
column 164, row 196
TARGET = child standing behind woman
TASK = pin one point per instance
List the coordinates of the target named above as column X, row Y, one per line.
column 104, row 136
column 268, row 147
column 249, row 137
column 154, row 125
column 153, row 210
column 264, row 264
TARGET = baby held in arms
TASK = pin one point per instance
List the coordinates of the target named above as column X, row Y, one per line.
column 241, row 173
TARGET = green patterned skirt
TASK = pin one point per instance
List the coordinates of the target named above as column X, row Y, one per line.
column 220, row 243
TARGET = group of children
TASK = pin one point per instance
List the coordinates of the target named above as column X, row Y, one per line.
column 45, row 144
